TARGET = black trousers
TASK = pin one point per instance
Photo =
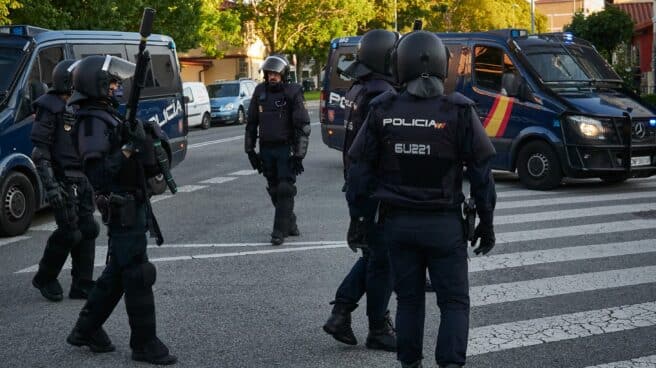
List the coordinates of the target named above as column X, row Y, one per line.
column 127, row 272
column 75, row 234
column 420, row 241
column 280, row 184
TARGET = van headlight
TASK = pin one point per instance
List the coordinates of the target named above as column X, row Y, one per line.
column 228, row 107
column 588, row 127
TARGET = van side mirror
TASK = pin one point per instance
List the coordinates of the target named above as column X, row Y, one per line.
column 242, row 94
column 510, row 83
column 524, row 92
column 186, row 99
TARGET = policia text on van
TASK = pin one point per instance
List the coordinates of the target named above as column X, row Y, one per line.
column 551, row 104
column 27, row 58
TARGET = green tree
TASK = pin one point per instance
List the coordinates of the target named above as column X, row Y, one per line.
column 5, row 7
column 607, row 29
column 220, row 28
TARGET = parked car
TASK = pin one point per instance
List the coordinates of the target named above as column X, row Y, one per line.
column 198, row 104
column 230, row 100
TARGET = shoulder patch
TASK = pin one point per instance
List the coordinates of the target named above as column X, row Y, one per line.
column 384, row 98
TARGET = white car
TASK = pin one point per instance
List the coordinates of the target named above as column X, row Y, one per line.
column 198, row 104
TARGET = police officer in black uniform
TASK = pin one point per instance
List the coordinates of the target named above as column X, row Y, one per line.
column 113, row 156
column 277, row 115
column 371, row 273
column 411, row 152
column 67, row 189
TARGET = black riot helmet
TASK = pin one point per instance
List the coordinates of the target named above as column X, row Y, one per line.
column 62, row 77
column 93, row 75
column 420, row 62
column 277, row 64
column 374, row 54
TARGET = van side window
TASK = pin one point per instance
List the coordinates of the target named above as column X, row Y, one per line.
column 495, row 71
column 162, row 78
column 187, row 93
column 342, row 60
column 40, row 78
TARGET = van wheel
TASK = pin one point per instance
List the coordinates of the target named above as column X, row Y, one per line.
column 18, row 204
column 241, row 117
column 206, row 122
column 538, row 166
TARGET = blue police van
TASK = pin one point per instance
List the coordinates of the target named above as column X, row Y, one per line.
column 27, row 57
column 550, row 103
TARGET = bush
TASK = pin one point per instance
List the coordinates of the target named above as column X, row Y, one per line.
column 650, row 99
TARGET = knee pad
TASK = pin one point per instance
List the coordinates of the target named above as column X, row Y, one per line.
column 139, row 276
column 89, row 228
column 286, row 189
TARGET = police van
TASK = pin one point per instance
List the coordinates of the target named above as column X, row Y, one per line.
column 550, row 103
column 27, row 57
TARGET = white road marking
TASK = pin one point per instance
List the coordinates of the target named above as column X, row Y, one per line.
column 190, row 188
column 161, row 197
column 575, row 213
column 238, row 245
column 519, row 259
column 101, row 255
column 550, row 233
column 538, row 331
column 218, row 180
column 48, row 226
column 560, row 285
column 208, row 143
column 642, row 362
column 523, row 203
column 13, row 239
column 244, row 172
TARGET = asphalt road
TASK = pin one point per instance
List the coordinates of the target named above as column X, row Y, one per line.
column 571, row 283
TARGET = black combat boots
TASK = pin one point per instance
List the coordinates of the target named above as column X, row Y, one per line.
column 382, row 335
column 154, row 352
column 451, row 365
column 98, row 342
column 50, row 290
column 339, row 324
column 416, row 364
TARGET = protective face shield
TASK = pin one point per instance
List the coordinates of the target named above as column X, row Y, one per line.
column 276, row 63
column 93, row 75
column 374, row 54
column 420, row 62
column 62, row 78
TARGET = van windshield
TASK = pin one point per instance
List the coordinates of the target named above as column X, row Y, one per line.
column 569, row 64
column 9, row 63
column 223, row 90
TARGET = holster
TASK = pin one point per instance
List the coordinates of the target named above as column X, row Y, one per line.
column 115, row 208
column 469, row 212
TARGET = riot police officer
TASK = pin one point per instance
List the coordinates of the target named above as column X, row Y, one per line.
column 67, row 189
column 277, row 116
column 409, row 155
column 113, row 155
column 371, row 273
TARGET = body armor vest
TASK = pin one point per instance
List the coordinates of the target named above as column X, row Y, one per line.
column 275, row 115
column 99, row 135
column 421, row 160
column 57, row 138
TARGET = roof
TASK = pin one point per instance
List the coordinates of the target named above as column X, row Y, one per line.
column 641, row 13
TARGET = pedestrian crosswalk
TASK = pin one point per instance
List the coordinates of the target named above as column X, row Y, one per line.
column 562, row 269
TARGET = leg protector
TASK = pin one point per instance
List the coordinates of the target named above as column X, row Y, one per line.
column 58, row 247
column 140, row 302
column 285, row 208
column 102, row 300
column 83, row 253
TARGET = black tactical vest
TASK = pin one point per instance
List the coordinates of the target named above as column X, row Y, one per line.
column 421, row 142
column 99, row 135
column 57, row 138
column 275, row 115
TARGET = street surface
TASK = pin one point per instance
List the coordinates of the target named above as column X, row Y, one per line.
column 570, row 284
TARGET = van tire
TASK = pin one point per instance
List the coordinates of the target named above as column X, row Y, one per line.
column 206, row 122
column 241, row 117
column 18, row 204
column 538, row 166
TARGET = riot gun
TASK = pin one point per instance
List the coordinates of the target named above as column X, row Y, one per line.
column 138, row 83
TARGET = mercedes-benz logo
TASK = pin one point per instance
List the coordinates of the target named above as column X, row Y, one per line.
column 639, row 130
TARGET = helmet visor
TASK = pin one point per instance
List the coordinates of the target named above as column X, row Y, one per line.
column 274, row 64
column 118, row 68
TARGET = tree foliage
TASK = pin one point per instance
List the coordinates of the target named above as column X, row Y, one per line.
column 5, row 7
column 607, row 29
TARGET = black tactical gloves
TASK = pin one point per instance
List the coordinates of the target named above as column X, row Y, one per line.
column 296, row 165
column 356, row 236
column 255, row 160
column 485, row 232
column 55, row 195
